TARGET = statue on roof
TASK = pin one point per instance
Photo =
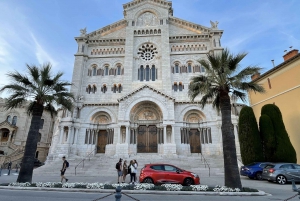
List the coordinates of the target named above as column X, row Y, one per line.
column 83, row 32
column 214, row 25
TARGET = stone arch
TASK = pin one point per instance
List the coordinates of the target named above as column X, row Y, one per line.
column 146, row 110
column 98, row 111
column 162, row 106
column 192, row 109
column 141, row 12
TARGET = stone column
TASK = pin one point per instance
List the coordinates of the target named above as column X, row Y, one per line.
column 9, row 136
column 119, row 134
column 70, row 133
column 165, row 134
column 173, row 135
column 127, row 135
column 88, row 136
column 61, row 134
column 76, row 135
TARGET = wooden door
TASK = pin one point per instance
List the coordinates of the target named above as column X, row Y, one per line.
column 195, row 141
column 147, row 139
column 102, row 141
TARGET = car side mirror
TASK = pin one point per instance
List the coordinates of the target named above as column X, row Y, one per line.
column 178, row 171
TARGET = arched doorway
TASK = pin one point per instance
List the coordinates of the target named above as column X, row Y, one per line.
column 5, row 134
column 103, row 135
column 147, row 118
column 193, row 119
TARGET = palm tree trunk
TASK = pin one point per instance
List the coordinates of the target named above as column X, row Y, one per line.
column 27, row 166
column 232, row 176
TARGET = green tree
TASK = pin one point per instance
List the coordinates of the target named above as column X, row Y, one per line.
column 249, row 137
column 44, row 91
column 284, row 151
column 267, row 134
column 220, row 81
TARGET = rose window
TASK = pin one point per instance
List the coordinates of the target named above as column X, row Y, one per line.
column 147, row 52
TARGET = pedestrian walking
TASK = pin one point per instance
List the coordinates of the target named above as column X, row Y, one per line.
column 63, row 169
column 125, row 171
column 119, row 170
column 9, row 167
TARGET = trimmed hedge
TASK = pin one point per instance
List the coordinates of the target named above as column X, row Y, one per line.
column 284, row 151
column 268, row 137
column 249, row 137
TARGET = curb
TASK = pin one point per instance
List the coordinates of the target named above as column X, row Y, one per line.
column 260, row 193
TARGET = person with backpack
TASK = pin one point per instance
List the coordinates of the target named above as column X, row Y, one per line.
column 63, row 169
column 119, row 171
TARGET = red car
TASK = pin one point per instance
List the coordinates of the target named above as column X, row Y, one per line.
column 170, row 174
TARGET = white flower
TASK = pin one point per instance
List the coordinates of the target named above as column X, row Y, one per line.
column 173, row 187
column 199, row 187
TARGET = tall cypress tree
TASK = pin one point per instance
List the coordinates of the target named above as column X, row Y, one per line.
column 249, row 137
column 285, row 151
column 268, row 137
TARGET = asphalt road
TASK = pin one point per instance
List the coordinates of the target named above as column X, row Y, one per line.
column 276, row 191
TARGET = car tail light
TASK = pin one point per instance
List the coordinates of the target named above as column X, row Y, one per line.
column 271, row 170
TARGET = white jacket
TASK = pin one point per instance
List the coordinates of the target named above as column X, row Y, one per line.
column 133, row 168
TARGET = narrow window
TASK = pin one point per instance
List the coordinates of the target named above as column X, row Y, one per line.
column 189, row 68
column 39, row 137
column 133, row 23
column 269, row 82
column 115, row 88
column 42, row 124
column 175, row 87
column 106, row 70
column 202, row 69
column 176, row 68
column 147, row 73
column 180, row 87
column 161, row 22
column 94, row 71
column 141, row 73
column 119, row 70
column 14, row 120
column 120, row 88
column 153, row 73
column 82, row 48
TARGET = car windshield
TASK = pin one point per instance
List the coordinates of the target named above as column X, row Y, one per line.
column 251, row 164
column 269, row 166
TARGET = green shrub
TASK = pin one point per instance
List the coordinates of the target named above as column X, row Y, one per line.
column 80, row 185
column 186, row 188
column 158, row 188
column 108, row 186
column 249, row 137
column 284, row 151
column 268, row 137
column 57, row 185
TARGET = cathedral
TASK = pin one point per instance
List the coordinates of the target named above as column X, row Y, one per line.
column 130, row 80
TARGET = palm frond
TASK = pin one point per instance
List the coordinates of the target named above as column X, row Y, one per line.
column 239, row 95
column 250, row 86
column 49, row 107
column 235, row 60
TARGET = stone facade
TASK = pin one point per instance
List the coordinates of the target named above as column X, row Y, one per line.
column 130, row 80
column 14, row 128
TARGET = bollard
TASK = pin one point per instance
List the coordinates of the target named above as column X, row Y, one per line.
column 118, row 193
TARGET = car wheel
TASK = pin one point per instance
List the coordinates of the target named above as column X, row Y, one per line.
column 148, row 180
column 281, row 179
column 258, row 176
column 188, row 182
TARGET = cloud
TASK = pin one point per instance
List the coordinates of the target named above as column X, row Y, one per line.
column 41, row 54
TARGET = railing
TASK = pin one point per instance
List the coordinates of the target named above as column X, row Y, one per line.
column 205, row 163
column 82, row 161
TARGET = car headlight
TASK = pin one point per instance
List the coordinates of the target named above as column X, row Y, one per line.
column 195, row 175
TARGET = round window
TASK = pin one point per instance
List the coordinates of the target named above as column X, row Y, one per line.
column 147, row 52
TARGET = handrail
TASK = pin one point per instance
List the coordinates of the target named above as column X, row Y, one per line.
column 205, row 164
column 82, row 161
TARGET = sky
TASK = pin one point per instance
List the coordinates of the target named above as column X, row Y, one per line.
column 35, row 32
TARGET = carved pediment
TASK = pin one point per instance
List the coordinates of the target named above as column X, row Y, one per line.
column 6, row 124
column 117, row 27
column 143, row 87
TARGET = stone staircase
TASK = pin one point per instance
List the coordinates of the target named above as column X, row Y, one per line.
column 101, row 164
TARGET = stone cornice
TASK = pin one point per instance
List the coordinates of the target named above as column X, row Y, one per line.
column 106, row 41
column 100, row 104
column 193, row 27
column 143, row 87
column 7, row 124
column 107, row 29
column 135, row 3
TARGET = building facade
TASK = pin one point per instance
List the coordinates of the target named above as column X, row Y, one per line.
column 14, row 127
column 130, row 80
column 282, row 85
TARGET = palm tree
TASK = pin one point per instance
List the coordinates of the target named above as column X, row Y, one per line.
column 44, row 92
column 221, row 81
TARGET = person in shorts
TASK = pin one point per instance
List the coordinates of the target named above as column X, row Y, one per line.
column 119, row 171
column 63, row 170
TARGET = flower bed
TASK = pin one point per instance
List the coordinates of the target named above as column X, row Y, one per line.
column 143, row 186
